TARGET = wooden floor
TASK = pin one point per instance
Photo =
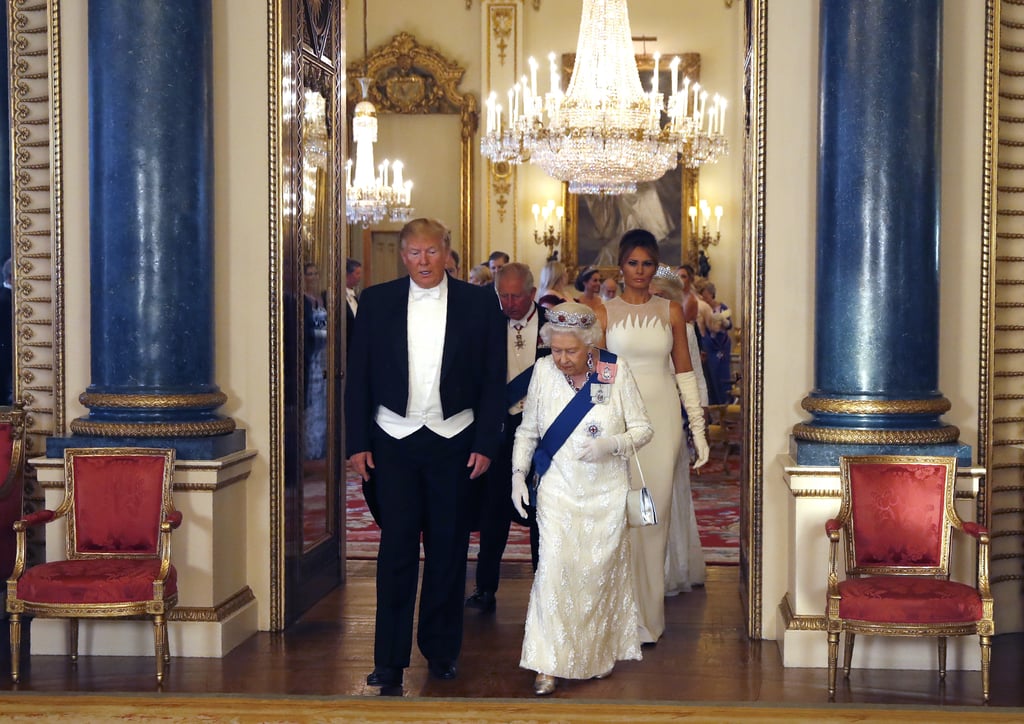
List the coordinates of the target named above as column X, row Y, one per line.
column 704, row 656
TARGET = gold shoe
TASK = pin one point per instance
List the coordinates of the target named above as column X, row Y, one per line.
column 543, row 685
column 606, row 674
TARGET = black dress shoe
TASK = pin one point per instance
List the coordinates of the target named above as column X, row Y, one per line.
column 442, row 669
column 482, row 601
column 385, row 676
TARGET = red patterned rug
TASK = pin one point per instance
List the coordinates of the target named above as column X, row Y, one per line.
column 716, row 498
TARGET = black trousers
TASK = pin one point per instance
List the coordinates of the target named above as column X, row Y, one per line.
column 423, row 488
column 497, row 514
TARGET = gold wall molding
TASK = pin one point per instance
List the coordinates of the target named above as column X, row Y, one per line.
column 946, row 433
column 752, row 258
column 535, row 3
column 876, row 407
column 501, row 51
column 213, row 614
column 37, row 214
column 800, row 622
column 503, row 29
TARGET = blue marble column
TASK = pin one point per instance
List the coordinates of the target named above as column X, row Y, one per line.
column 151, row 230
column 876, row 349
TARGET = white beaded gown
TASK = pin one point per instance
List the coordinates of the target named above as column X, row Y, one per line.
column 582, row 617
column 642, row 335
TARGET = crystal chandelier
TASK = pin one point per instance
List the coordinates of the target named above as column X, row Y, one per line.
column 373, row 194
column 605, row 134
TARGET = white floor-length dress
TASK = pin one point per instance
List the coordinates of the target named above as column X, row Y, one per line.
column 582, row 615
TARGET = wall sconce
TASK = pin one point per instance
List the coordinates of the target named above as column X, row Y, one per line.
column 703, row 239
column 549, row 227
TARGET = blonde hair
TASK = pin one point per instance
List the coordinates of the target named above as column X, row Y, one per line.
column 480, row 275
column 551, row 274
column 429, row 228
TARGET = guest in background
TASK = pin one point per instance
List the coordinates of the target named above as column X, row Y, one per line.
column 650, row 333
column 589, row 283
column 549, row 300
column 452, row 267
column 427, row 421
column 315, row 357
column 514, row 285
column 609, row 288
column 718, row 345
column 582, row 420
column 480, row 276
column 496, row 261
column 553, row 278
column 353, row 278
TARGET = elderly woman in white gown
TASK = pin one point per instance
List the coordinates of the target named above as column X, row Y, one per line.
column 583, row 419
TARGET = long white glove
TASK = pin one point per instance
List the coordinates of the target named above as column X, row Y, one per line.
column 598, row 448
column 686, row 383
column 520, row 493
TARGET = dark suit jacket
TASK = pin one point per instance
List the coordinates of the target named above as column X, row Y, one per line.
column 472, row 363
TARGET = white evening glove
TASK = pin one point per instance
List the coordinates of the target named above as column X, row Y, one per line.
column 520, row 493
column 598, row 448
column 686, row 382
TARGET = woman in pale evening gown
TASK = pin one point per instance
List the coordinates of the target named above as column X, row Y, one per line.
column 649, row 333
column 582, row 616
column 684, row 556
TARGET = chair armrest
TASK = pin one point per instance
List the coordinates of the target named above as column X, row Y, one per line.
column 975, row 530
column 833, row 526
column 34, row 519
column 173, row 518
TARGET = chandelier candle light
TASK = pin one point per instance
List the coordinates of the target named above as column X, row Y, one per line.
column 605, row 134
column 373, row 194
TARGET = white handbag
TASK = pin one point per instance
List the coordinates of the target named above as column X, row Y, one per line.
column 640, row 510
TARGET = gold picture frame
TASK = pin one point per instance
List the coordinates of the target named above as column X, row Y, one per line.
column 595, row 223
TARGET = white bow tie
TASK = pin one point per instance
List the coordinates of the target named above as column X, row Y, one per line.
column 433, row 293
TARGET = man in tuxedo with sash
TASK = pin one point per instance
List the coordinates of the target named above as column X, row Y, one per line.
column 425, row 405
column 514, row 285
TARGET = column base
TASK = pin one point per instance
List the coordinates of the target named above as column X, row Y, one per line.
column 809, row 453
column 186, row 448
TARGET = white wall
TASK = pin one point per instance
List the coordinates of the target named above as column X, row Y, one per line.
column 242, row 267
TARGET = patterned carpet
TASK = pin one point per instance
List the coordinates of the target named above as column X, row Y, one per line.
column 716, row 496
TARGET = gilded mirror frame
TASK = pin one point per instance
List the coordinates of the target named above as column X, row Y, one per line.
column 413, row 79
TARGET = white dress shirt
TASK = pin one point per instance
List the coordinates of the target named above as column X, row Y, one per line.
column 521, row 331
column 353, row 304
column 427, row 319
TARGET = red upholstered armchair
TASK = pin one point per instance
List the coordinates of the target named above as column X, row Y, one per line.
column 897, row 517
column 119, row 516
column 12, row 481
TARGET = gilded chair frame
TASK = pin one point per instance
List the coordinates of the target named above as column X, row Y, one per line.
column 15, row 417
column 844, row 525
column 156, row 607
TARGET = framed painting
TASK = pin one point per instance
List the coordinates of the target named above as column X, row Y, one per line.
column 596, row 222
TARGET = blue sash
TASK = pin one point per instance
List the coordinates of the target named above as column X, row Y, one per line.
column 516, row 389
column 567, row 420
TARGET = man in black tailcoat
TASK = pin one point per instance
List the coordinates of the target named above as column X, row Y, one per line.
column 522, row 346
column 425, row 405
